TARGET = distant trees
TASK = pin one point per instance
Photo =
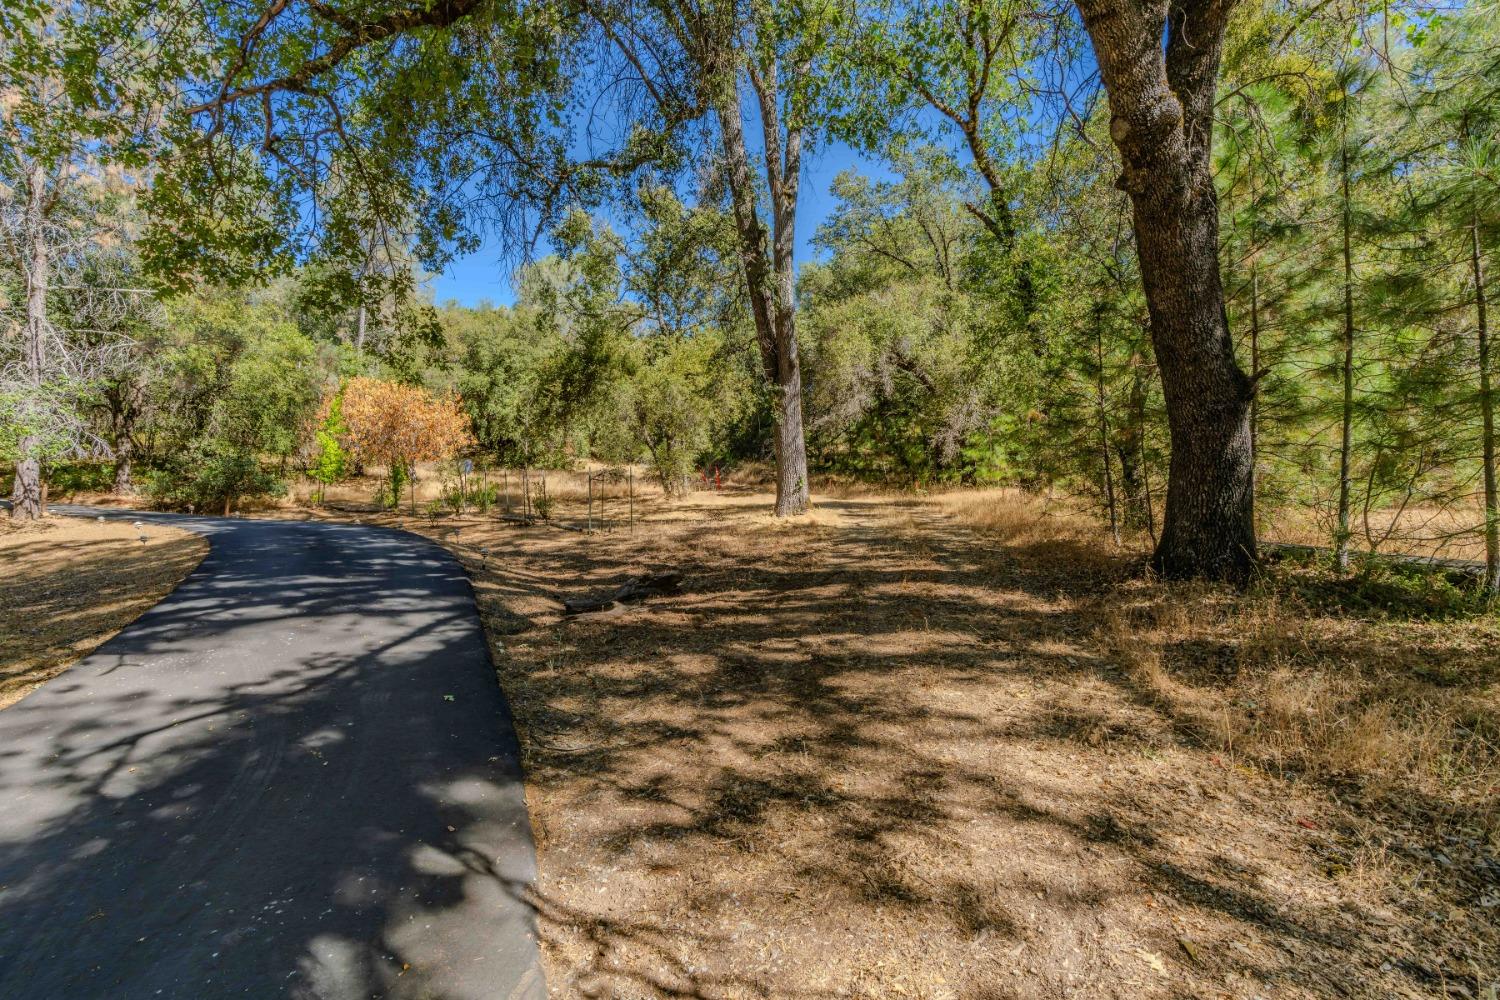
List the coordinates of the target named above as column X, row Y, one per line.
column 443, row 140
column 902, row 382
column 619, row 348
column 232, row 387
column 500, row 356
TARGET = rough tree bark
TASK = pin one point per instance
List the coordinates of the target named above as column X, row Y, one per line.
column 124, row 481
column 769, row 274
column 122, row 403
column 1161, row 97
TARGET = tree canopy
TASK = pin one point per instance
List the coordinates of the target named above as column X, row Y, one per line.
column 1198, row 265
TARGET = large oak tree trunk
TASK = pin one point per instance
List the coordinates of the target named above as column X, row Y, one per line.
column 1161, row 102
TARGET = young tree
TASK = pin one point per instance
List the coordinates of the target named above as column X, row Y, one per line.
column 329, row 462
column 1455, row 124
column 399, row 425
column 1353, row 160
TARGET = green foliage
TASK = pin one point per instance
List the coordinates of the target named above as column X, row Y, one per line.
column 681, row 397
column 541, row 502
column 470, row 496
column 210, row 480
column 1379, row 588
column 272, row 389
column 398, row 476
column 330, row 462
column 974, row 314
column 80, row 477
column 40, row 420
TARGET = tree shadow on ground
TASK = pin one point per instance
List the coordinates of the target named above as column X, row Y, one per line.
column 884, row 737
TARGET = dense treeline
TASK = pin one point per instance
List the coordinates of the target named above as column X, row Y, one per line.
column 1023, row 296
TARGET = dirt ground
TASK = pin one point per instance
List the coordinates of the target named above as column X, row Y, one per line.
column 67, row 584
column 956, row 747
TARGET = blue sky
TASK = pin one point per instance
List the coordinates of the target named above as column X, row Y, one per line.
column 486, row 275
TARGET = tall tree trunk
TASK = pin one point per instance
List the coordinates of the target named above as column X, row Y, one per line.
column 124, row 473
column 122, row 415
column 1346, row 412
column 792, row 492
column 1254, row 367
column 1161, row 103
column 27, row 500
column 770, row 279
column 26, row 492
column 1109, row 480
column 1487, row 411
column 1254, row 336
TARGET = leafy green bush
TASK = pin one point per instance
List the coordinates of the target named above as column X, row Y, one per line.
column 458, row 499
column 483, row 497
column 397, row 476
column 77, row 477
column 211, row 482
column 541, row 503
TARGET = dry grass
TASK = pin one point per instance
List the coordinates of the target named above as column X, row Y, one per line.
column 1403, row 714
column 68, row 584
column 1454, row 531
column 958, row 748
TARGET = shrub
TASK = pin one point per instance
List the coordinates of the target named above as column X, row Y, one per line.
column 541, row 503
column 457, row 498
column 483, row 497
column 75, row 477
column 210, row 481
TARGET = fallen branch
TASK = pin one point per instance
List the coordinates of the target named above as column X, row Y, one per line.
column 637, row 589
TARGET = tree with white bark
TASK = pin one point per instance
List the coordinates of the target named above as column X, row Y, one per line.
column 82, row 88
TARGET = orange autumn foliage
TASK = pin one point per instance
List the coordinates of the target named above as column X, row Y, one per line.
column 395, row 424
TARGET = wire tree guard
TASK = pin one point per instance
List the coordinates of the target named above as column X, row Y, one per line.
column 599, row 483
column 534, row 501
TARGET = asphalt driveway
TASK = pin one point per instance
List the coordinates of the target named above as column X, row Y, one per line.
column 294, row 777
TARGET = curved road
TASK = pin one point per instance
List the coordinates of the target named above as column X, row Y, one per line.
column 294, row 777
